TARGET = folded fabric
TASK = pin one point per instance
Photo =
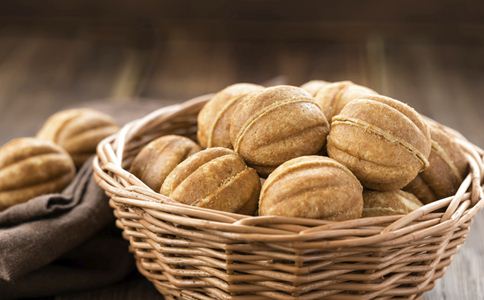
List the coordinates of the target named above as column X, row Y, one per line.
column 37, row 239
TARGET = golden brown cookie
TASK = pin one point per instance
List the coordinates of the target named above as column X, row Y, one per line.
column 215, row 178
column 275, row 125
column 214, row 118
column 446, row 171
column 78, row 131
column 157, row 159
column 312, row 187
column 388, row 203
column 334, row 96
column 32, row 167
column 313, row 86
column 384, row 142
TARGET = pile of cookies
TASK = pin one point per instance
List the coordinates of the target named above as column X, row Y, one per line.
column 47, row 163
column 332, row 151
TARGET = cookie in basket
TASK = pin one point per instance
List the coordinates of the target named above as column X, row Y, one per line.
column 388, row 203
column 334, row 96
column 276, row 125
column 446, row 171
column 157, row 159
column 215, row 178
column 315, row 187
column 384, row 142
column 313, row 86
column 214, row 118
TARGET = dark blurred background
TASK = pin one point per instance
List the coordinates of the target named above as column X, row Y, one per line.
column 430, row 54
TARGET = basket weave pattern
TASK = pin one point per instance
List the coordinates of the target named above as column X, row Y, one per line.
column 193, row 253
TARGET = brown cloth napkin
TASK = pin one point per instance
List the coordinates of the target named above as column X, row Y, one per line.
column 59, row 243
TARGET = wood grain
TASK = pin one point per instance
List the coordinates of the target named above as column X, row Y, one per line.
column 43, row 70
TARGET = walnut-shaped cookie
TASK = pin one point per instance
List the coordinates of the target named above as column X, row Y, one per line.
column 384, row 142
column 214, row 118
column 32, row 167
column 275, row 125
column 388, row 203
column 78, row 131
column 334, row 96
column 313, row 86
column 313, row 186
column 446, row 171
column 215, row 178
column 157, row 159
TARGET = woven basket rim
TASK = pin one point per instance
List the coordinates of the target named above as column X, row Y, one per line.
column 127, row 190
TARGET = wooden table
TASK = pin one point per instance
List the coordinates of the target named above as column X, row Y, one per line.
column 44, row 70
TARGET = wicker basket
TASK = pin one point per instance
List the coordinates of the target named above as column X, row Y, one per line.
column 194, row 253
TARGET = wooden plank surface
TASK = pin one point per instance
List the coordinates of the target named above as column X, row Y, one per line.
column 41, row 73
